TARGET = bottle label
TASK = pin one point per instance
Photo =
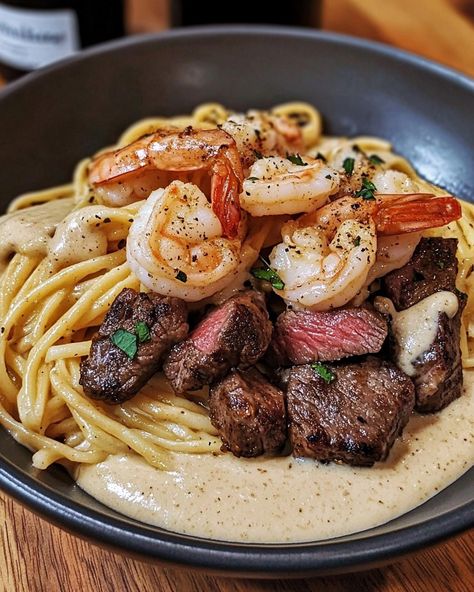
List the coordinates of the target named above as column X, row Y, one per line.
column 30, row 39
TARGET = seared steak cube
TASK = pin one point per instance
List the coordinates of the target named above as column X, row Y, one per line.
column 109, row 373
column 237, row 333
column 432, row 268
column 355, row 417
column 438, row 370
column 438, row 379
column 305, row 336
column 249, row 413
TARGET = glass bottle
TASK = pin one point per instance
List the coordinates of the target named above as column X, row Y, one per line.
column 34, row 33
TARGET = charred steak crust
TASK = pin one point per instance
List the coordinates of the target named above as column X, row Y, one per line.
column 433, row 268
column 355, row 418
column 249, row 413
column 300, row 337
column 237, row 333
column 108, row 373
column 438, row 380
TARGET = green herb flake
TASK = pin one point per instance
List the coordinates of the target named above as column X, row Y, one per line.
column 320, row 156
column 126, row 341
column 181, row 276
column 296, row 159
column 253, row 179
column 367, row 190
column 440, row 264
column 142, row 331
column 375, row 159
column 258, row 155
column 324, row 372
column 357, row 241
column 269, row 275
column 348, row 165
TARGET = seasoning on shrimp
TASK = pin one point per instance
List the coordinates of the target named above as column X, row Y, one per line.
column 284, row 186
column 326, row 256
column 176, row 245
column 133, row 172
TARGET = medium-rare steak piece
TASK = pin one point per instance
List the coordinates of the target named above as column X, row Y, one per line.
column 438, row 370
column 306, row 336
column 114, row 374
column 237, row 333
column 249, row 413
column 352, row 415
column 432, row 268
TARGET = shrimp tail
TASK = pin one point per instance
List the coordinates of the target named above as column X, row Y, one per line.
column 225, row 190
column 416, row 212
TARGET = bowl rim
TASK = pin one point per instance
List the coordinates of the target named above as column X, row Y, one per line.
column 327, row 556
column 241, row 30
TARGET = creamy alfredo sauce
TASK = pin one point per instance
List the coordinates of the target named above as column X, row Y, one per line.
column 289, row 500
column 28, row 231
column 415, row 328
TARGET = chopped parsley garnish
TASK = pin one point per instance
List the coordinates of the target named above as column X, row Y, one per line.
column 367, row 190
column 142, row 331
column 357, row 241
column 181, row 276
column 268, row 274
column 440, row 264
column 253, row 179
column 323, row 372
column 348, row 165
column 320, row 156
column 125, row 341
column 128, row 342
column 375, row 159
column 258, row 154
column 296, row 159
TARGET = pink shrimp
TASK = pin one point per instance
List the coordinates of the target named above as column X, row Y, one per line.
column 391, row 213
column 134, row 171
column 325, row 257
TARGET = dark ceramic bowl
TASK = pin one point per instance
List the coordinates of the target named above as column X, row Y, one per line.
column 50, row 120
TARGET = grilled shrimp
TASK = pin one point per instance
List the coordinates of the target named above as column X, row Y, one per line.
column 326, row 255
column 279, row 186
column 371, row 167
column 133, row 172
column 258, row 133
column 176, row 245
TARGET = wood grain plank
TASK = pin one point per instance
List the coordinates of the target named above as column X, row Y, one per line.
column 36, row 556
column 432, row 28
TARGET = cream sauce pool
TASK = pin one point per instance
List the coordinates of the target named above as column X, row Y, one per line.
column 28, row 231
column 289, row 500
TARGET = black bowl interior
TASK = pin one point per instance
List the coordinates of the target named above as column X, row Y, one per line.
column 52, row 119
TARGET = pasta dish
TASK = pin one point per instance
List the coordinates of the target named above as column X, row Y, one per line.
column 239, row 288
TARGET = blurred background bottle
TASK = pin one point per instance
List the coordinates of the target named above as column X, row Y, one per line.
column 34, row 33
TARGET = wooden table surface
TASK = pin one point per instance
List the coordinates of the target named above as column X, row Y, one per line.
column 35, row 556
